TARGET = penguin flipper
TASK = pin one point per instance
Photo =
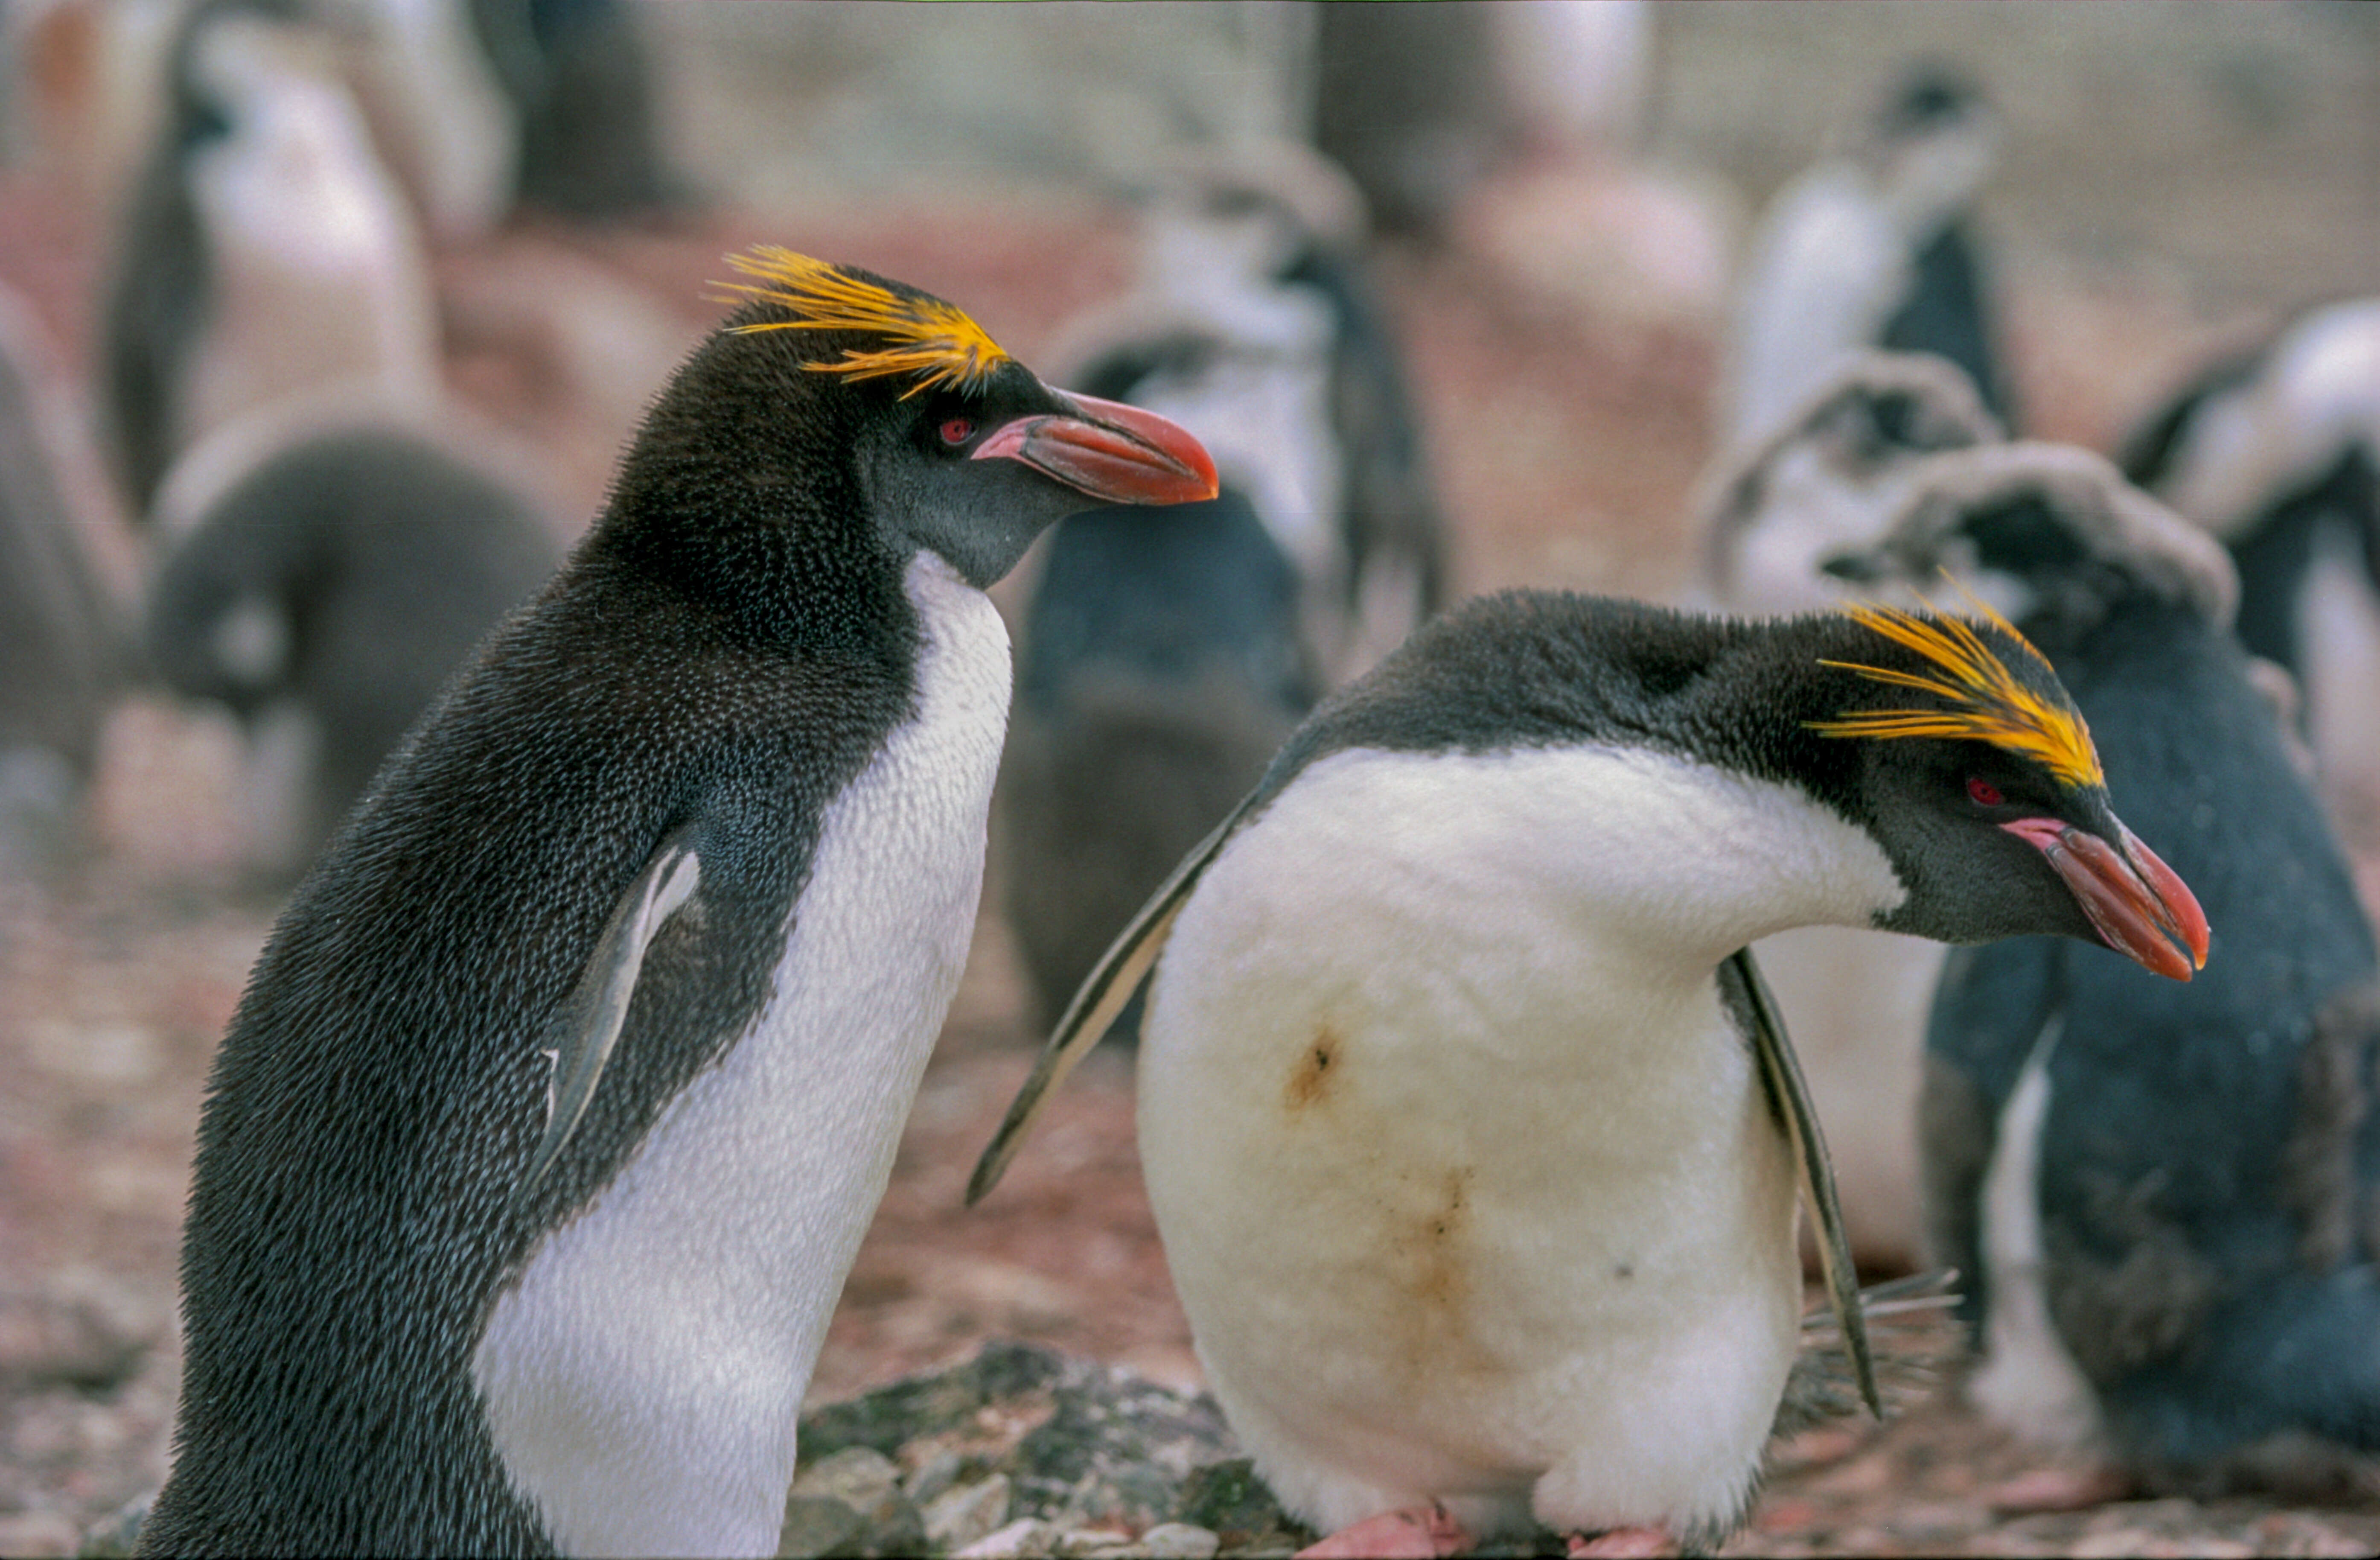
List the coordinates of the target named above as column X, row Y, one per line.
column 1755, row 1010
column 1103, row 996
column 583, row 1031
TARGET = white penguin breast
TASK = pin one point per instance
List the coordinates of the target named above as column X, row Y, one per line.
column 643, row 1378
column 1470, row 1189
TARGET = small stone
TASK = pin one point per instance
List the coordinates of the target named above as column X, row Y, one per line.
column 860, row 1477
column 960, row 1515
column 1027, row 1538
column 817, row 1526
column 1180, row 1541
column 928, row 1481
column 1091, row 1543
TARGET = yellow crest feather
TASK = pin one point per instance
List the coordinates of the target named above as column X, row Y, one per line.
column 926, row 337
column 1981, row 698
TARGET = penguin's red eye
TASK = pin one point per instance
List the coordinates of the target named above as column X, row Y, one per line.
column 958, row 429
column 1983, row 793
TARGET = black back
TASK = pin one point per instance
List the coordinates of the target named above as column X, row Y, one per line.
column 2171, row 1207
column 156, row 311
column 1949, row 313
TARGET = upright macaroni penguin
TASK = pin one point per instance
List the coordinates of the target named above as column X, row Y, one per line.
column 1468, row 1128
column 543, row 1137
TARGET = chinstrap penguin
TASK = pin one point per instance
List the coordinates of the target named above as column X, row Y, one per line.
column 2167, row 1197
column 543, row 1137
column 1469, row 1128
column 2276, row 451
column 323, row 581
column 265, row 252
column 1871, row 248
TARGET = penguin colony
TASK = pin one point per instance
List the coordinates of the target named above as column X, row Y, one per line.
column 576, row 1067
column 1461, row 987
column 2164, row 1196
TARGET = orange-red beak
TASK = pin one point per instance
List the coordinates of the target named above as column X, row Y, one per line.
column 2140, row 906
column 1115, row 453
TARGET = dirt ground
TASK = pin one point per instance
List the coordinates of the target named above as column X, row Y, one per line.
column 1567, row 441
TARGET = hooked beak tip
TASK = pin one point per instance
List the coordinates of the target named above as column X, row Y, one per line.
column 2139, row 906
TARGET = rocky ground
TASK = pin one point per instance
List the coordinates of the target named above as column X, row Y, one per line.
column 1048, row 1378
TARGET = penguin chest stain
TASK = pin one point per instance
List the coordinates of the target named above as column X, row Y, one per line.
column 643, row 1378
column 1310, row 1079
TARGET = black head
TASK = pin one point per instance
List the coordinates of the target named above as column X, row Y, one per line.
column 839, row 423
column 2052, row 534
column 1963, row 756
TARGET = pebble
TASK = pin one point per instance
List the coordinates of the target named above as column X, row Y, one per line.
column 937, row 1474
column 961, row 1514
column 1180, row 1541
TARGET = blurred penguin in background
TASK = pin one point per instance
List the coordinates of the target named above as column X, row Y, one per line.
column 580, row 79
column 1835, row 476
column 1872, row 249
column 60, row 639
column 440, row 111
column 1166, row 658
column 1253, row 324
column 2276, row 452
column 2166, row 1199
column 266, row 252
column 321, row 580
column 1420, row 103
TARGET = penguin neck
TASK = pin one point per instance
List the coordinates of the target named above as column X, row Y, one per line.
column 1655, row 866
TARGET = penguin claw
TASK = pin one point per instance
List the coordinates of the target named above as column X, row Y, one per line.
column 1428, row 1533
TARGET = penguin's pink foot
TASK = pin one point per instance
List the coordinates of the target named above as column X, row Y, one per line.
column 1623, row 1543
column 1417, row 1533
column 2061, row 1489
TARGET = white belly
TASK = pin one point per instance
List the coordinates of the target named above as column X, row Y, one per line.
column 1469, row 1194
column 643, row 1379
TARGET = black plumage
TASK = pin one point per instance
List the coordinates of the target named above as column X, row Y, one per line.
column 362, row 563
column 2207, row 1168
column 729, row 646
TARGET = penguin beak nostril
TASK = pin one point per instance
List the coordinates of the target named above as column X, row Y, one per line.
column 1115, row 453
column 2139, row 906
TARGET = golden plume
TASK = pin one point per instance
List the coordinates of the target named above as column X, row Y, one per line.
column 929, row 338
column 1981, row 698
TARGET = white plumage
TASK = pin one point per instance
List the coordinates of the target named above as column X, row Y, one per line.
column 643, row 1379
column 1464, row 1176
